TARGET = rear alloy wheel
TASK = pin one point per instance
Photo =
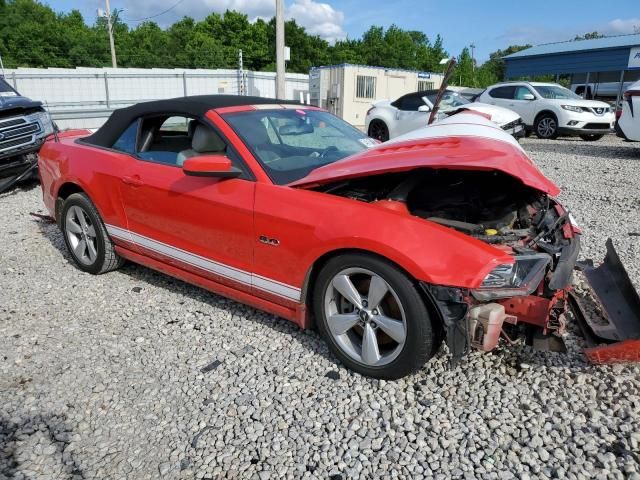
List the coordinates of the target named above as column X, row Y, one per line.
column 86, row 237
column 591, row 137
column 378, row 130
column 372, row 316
column 546, row 126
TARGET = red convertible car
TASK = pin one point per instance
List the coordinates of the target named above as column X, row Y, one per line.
column 388, row 249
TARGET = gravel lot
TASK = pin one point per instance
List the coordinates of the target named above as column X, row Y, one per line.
column 102, row 377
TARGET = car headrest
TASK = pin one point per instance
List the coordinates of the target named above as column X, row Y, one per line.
column 205, row 140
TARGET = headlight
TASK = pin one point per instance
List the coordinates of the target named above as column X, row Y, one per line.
column 514, row 279
column 45, row 121
column 572, row 108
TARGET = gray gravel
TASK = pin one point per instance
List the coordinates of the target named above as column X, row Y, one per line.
column 135, row 375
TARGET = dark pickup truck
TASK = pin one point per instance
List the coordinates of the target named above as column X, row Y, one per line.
column 24, row 125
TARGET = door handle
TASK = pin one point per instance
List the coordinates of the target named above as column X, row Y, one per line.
column 134, row 181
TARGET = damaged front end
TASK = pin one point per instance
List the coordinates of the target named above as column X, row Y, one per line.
column 24, row 126
column 495, row 208
column 16, row 169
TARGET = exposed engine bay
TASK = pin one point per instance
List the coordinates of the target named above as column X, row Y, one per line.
column 490, row 206
column 500, row 210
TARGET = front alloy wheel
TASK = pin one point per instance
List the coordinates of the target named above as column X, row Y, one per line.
column 371, row 326
column 547, row 127
column 372, row 316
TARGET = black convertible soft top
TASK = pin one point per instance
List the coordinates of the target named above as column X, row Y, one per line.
column 195, row 106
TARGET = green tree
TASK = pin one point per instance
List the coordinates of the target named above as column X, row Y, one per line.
column 493, row 70
column 464, row 71
column 346, row 51
column 306, row 50
column 589, row 36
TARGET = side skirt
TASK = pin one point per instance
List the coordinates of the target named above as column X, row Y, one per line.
column 296, row 315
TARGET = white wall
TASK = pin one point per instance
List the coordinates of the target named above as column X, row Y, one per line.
column 335, row 88
column 85, row 97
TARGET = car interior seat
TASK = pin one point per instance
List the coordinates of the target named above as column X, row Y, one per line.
column 204, row 141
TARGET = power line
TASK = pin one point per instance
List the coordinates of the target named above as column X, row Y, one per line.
column 156, row 15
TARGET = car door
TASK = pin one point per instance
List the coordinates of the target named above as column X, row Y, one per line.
column 524, row 103
column 201, row 224
column 408, row 117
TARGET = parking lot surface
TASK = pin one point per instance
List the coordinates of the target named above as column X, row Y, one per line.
column 135, row 375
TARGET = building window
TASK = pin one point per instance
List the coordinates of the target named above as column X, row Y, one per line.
column 365, row 87
column 425, row 85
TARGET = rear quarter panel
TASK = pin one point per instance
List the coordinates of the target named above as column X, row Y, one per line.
column 96, row 171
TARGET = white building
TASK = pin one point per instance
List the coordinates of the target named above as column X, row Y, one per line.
column 349, row 90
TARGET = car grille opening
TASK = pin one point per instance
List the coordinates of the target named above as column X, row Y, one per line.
column 16, row 142
column 12, row 122
column 17, row 132
column 601, row 126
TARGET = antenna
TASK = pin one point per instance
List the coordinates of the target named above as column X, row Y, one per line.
column 53, row 124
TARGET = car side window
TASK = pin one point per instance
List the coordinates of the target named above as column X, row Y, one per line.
column 502, row 92
column 173, row 139
column 127, row 141
column 162, row 138
column 521, row 92
column 411, row 103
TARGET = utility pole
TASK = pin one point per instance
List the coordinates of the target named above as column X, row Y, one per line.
column 114, row 63
column 280, row 91
column 473, row 62
column 241, row 89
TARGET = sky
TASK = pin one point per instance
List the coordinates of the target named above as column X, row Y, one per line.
column 489, row 25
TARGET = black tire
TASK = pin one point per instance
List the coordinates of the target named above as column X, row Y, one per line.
column 106, row 259
column 378, row 130
column 591, row 137
column 421, row 340
column 546, row 126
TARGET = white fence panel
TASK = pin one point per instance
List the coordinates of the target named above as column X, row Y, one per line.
column 84, row 97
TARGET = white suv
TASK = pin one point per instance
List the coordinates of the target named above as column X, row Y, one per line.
column 550, row 109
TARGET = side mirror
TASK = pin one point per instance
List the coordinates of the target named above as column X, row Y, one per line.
column 210, row 166
column 528, row 96
column 424, row 108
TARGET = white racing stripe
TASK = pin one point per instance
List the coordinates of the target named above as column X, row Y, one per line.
column 246, row 278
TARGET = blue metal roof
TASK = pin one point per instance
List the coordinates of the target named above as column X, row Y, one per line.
column 609, row 60
column 619, row 41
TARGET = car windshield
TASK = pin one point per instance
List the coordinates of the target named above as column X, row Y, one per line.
column 290, row 143
column 556, row 91
column 450, row 100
